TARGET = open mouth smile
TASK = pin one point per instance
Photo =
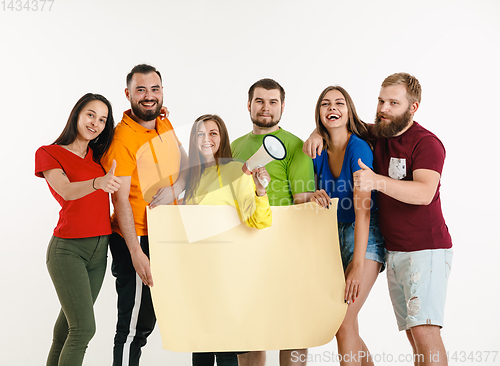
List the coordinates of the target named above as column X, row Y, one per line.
column 332, row 117
column 148, row 104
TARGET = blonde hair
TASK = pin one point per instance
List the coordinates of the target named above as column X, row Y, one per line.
column 413, row 88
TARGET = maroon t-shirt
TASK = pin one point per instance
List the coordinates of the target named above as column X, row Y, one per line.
column 407, row 227
column 87, row 216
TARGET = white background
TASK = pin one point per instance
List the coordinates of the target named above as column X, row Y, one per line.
column 209, row 53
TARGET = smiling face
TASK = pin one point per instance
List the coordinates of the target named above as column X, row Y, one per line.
column 394, row 112
column 208, row 140
column 265, row 108
column 145, row 94
column 92, row 120
column 333, row 110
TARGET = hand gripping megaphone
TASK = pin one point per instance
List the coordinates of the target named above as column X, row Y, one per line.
column 272, row 149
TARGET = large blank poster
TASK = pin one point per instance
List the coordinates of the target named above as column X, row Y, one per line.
column 243, row 288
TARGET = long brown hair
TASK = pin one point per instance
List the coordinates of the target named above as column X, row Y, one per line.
column 101, row 143
column 354, row 125
column 197, row 161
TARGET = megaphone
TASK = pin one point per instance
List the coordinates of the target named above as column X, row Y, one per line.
column 272, row 149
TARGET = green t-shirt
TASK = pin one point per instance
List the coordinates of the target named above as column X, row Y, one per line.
column 289, row 176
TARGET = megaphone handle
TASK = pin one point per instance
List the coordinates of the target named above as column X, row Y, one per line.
column 263, row 181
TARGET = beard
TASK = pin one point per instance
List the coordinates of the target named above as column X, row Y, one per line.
column 146, row 115
column 262, row 124
column 395, row 125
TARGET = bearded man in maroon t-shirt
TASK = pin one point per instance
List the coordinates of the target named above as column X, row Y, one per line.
column 408, row 161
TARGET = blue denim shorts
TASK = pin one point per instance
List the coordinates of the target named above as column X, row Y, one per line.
column 417, row 285
column 375, row 250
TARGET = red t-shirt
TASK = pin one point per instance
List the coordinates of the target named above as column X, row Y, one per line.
column 406, row 227
column 87, row 216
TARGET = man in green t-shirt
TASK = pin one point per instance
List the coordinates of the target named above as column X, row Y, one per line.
column 292, row 179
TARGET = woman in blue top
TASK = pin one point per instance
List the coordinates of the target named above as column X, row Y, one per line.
column 361, row 244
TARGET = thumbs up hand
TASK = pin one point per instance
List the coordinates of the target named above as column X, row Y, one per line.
column 364, row 179
column 109, row 183
column 113, row 167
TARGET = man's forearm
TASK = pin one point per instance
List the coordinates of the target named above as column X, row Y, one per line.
column 299, row 198
column 411, row 192
column 125, row 218
column 140, row 261
column 180, row 184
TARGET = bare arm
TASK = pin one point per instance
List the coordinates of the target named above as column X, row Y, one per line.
column 419, row 191
column 70, row 191
column 313, row 145
column 354, row 272
column 125, row 218
column 301, row 197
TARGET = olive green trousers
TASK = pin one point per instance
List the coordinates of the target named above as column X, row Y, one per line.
column 77, row 268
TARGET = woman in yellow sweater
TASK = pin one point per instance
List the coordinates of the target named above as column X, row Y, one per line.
column 216, row 179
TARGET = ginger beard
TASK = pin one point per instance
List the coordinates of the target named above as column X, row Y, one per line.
column 395, row 125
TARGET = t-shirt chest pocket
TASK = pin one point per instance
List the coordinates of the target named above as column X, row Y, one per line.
column 397, row 168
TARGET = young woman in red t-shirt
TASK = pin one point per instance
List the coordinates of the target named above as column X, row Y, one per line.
column 77, row 252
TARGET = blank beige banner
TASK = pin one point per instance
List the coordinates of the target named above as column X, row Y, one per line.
column 246, row 289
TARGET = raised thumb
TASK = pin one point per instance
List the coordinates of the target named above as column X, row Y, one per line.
column 362, row 165
column 113, row 167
